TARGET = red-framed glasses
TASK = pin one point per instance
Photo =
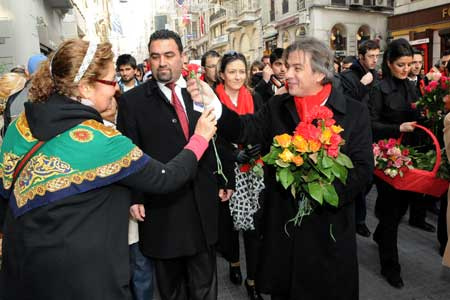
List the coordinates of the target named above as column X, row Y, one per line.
column 107, row 82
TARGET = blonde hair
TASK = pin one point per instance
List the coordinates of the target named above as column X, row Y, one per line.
column 65, row 63
column 11, row 83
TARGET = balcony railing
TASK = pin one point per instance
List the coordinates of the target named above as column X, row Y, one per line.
column 217, row 15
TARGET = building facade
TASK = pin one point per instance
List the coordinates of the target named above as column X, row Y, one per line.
column 29, row 27
column 425, row 24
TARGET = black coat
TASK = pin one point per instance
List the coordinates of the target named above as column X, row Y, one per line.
column 390, row 105
column 184, row 222
column 307, row 263
column 265, row 90
column 351, row 82
column 77, row 248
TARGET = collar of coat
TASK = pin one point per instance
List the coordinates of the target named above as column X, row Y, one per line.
column 336, row 102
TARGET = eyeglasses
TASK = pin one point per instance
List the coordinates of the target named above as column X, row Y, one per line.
column 107, row 82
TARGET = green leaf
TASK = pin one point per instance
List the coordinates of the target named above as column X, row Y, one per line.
column 286, row 178
column 330, row 196
column 316, row 191
column 282, row 164
column 327, row 162
column 340, row 172
column 311, row 176
column 344, row 160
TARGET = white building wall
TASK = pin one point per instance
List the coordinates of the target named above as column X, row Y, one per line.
column 323, row 20
column 22, row 18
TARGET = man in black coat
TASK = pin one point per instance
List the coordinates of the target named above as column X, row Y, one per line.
column 275, row 72
column 316, row 260
column 356, row 83
column 177, row 230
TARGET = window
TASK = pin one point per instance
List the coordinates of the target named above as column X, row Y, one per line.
column 272, row 10
column 338, row 2
column 300, row 4
column 285, row 6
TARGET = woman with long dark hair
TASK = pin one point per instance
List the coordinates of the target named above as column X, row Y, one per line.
column 392, row 114
column 239, row 213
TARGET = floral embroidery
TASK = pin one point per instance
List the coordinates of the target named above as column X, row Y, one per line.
column 24, row 192
column 107, row 131
column 10, row 160
column 81, row 135
column 24, row 129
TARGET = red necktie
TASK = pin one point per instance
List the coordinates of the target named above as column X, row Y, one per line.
column 181, row 114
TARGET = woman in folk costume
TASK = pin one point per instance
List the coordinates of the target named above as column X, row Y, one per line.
column 238, row 213
column 66, row 176
column 306, row 262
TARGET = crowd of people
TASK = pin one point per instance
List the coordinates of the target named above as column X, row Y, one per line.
column 115, row 173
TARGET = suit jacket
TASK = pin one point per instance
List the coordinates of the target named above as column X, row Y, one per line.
column 352, row 85
column 184, row 222
column 305, row 262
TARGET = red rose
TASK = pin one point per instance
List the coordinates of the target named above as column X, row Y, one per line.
column 322, row 112
column 443, row 81
column 308, row 131
column 335, row 140
column 382, row 144
column 329, row 122
column 433, row 85
column 333, row 152
column 405, row 152
column 413, row 105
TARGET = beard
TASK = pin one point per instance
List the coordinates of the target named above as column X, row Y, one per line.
column 164, row 75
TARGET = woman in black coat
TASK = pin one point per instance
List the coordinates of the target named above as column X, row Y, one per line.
column 305, row 262
column 238, row 214
column 66, row 228
column 391, row 113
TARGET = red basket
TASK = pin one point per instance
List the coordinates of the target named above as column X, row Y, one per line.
column 419, row 181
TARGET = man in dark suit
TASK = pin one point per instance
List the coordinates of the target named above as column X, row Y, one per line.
column 273, row 73
column 357, row 82
column 417, row 204
column 316, row 260
column 177, row 230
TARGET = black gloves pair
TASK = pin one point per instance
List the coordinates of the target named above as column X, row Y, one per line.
column 250, row 152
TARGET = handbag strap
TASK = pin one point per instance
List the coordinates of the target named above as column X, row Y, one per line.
column 24, row 160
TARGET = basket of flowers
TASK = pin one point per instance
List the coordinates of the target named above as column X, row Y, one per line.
column 394, row 165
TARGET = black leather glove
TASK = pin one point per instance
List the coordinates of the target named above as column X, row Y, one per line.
column 253, row 151
column 242, row 157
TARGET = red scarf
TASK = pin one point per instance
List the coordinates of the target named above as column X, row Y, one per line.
column 244, row 102
column 304, row 105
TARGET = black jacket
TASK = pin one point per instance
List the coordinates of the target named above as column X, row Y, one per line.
column 77, row 248
column 390, row 105
column 351, row 82
column 304, row 262
column 265, row 90
column 183, row 222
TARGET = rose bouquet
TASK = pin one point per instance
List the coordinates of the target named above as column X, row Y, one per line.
column 309, row 161
column 391, row 158
column 432, row 103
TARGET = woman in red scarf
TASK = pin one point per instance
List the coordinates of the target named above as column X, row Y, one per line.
column 237, row 214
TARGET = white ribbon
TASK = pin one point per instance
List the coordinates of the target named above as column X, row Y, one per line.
column 86, row 61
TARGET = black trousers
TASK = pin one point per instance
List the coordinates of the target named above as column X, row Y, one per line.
column 390, row 207
column 442, row 223
column 189, row 277
column 418, row 209
column 251, row 246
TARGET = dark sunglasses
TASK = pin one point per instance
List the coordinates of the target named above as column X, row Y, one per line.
column 107, row 82
column 231, row 53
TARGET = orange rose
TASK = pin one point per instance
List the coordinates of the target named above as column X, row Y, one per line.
column 297, row 160
column 286, row 156
column 314, row 145
column 301, row 145
column 325, row 136
column 336, row 129
column 283, row 140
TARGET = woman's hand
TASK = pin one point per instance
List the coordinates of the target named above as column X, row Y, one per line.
column 407, row 126
column 206, row 124
column 200, row 91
